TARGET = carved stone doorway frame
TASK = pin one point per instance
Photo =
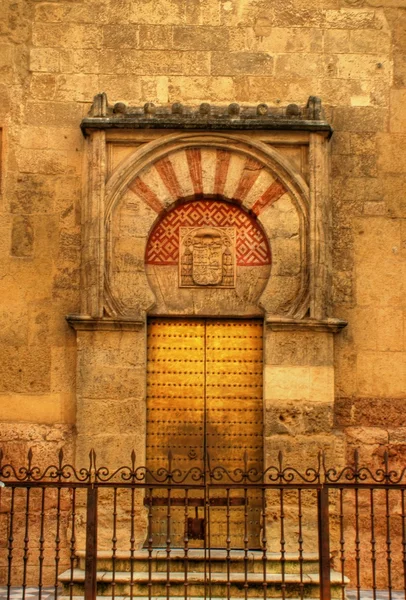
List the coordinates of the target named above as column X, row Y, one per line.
column 140, row 164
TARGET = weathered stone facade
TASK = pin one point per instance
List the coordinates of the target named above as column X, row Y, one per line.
column 62, row 254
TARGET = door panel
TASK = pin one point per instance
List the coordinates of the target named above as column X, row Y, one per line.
column 175, row 396
column 204, row 401
column 234, row 391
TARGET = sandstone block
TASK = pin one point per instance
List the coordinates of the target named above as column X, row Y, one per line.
column 360, row 120
column 397, row 121
column 370, row 411
column 313, row 384
column 120, row 35
column 362, row 330
column 303, row 450
column 363, row 165
column 363, row 143
column 284, row 16
column 22, row 237
column 142, row 62
column 69, row 246
column 50, row 12
column 32, row 193
column 241, row 63
column 374, row 209
column 395, row 201
column 200, row 38
column 390, row 160
column 155, row 37
column 123, row 88
column 46, row 161
column 349, row 18
column 290, row 40
column 199, row 89
column 305, row 65
column 33, row 137
column 79, row 61
column 374, row 246
column 42, row 86
column 129, row 342
column 14, row 325
column 6, row 57
column 111, row 450
column 255, row 89
column 343, row 287
column 135, row 356
column 112, row 382
column 25, row 369
column 337, row 41
column 63, row 369
column 381, row 373
column 44, row 59
column 365, row 41
column 5, row 100
column 399, row 70
column 167, row 12
column 397, row 23
column 49, row 409
column 360, row 436
column 66, row 282
column 53, row 114
column 298, row 348
column 67, row 35
column 196, row 63
column 340, row 143
column 295, row 419
column 111, row 415
column 242, row 38
column 354, row 66
column 154, row 88
column 78, row 88
column 388, row 332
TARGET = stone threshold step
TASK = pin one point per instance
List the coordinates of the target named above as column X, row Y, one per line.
column 197, row 554
column 173, row 598
column 78, row 576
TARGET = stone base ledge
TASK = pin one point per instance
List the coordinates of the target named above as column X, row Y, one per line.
column 330, row 325
column 88, row 323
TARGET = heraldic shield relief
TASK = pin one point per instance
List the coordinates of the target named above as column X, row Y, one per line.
column 207, row 256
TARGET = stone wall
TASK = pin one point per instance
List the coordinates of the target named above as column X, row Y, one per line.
column 54, row 56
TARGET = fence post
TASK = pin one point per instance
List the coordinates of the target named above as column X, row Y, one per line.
column 324, row 542
column 91, row 544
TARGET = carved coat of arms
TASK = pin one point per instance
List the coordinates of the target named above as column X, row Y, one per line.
column 207, row 256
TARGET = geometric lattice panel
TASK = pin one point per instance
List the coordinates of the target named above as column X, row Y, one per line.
column 252, row 249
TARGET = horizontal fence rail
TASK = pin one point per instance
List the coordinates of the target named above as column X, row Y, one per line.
column 213, row 532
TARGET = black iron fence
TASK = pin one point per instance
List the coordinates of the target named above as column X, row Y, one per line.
column 214, row 532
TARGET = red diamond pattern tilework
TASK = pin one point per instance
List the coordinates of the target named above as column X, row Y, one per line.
column 251, row 245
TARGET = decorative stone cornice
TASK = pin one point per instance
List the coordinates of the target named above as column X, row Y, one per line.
column 330, row 325
column 87, row 323
column 210, row 118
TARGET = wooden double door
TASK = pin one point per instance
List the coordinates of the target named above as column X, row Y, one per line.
column 205, row 405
